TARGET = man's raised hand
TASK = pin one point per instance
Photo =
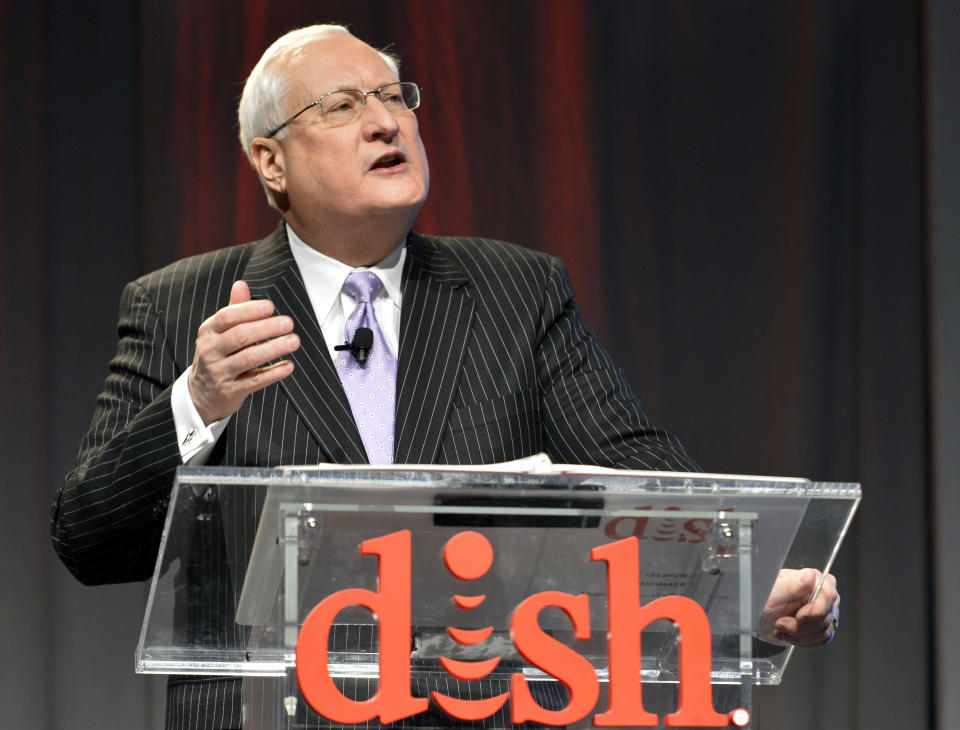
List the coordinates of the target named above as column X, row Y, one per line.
column 233, row 349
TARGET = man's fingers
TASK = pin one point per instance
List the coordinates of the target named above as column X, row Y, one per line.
column 220, row 388
column 806, row 583
column 250, row 333
column 802, row 608
column 814, row 624
column 804, row 633
column 795, row 586
column 259, row 378
column 258, row 355
column 234, row 314
column 822, row 606
column 811, row 641
column 816, row 591
column 222, row 345
column 800, row 627
column 826, row 603
column 224, row 368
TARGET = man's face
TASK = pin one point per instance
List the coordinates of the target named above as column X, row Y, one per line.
column 372, row 166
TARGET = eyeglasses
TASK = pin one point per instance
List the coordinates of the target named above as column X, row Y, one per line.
column 346, row 105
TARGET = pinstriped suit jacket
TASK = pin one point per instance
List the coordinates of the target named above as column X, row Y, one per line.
column 495, row 364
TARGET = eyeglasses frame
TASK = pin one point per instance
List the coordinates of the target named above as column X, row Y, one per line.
column 363, row 103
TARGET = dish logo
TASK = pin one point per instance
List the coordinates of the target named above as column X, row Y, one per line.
column 469, row 555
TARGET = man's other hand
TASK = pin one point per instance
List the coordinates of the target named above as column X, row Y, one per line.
column 233, row 347
column 793, row 616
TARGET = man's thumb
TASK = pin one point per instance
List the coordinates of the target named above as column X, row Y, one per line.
column 240, row 292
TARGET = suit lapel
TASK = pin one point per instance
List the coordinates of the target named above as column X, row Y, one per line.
column 314, row 387
column 437, row 313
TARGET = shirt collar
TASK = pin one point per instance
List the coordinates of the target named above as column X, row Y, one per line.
column 324, row 276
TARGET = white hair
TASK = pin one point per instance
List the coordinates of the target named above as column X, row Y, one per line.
column 262, row 105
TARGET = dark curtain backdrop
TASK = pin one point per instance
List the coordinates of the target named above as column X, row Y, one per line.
column 738, row 188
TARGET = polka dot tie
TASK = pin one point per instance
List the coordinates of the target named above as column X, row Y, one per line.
column 371, row 387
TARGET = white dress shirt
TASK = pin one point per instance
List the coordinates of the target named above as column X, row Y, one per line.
column 323, row 277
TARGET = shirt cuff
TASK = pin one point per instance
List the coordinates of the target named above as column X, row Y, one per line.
column 196, row 439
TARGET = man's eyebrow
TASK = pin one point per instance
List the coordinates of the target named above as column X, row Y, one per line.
column 354, row 86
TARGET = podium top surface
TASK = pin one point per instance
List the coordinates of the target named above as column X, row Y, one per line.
column 534, row 472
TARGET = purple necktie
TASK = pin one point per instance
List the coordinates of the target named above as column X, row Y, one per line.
column 371, row 387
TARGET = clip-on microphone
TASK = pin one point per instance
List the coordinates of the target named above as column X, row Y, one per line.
column 361, row 345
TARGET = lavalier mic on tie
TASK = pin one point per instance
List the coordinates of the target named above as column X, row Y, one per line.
column 361, row 345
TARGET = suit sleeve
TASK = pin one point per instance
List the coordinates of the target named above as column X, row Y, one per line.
column 590, row 414
column 109, row 511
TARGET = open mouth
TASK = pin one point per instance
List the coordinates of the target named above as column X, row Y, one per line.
column 389, row 160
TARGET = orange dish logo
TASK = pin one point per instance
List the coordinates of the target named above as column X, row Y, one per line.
column 468, row 556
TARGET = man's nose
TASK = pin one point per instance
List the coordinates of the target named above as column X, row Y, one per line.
column 378, row 121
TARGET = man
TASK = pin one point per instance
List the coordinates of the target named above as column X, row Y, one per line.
column 478, row 353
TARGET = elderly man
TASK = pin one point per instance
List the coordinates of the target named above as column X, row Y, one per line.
column 250, row 355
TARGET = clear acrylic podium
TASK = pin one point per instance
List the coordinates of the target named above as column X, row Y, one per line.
column 246, row 554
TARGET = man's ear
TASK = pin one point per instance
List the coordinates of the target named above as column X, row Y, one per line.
column 267, row 156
